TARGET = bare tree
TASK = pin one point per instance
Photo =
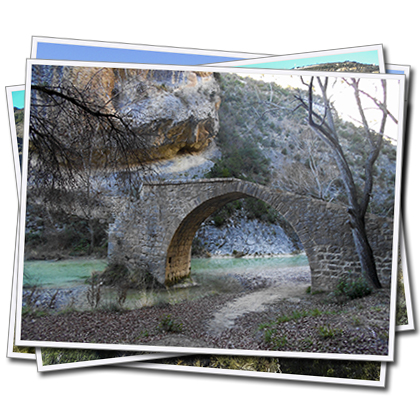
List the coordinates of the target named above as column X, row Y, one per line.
column 317, row 176
column 70, row 123
column 80, row 146
column 321, row 121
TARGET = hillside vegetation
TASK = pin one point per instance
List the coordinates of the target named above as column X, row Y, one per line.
column 263, row 138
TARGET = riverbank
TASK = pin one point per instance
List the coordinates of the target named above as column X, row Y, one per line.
column 280, row 316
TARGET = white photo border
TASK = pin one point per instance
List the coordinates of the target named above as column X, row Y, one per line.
column 100, row 362
column 266, row 375
column 388, row 357
column 101, row 44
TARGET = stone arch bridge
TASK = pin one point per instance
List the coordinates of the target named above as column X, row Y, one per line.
column 158, row 228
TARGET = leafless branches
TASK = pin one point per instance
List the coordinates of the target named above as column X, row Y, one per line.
column 72, row 128
column 324, row 127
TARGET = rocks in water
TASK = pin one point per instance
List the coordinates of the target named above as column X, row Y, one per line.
column 247, row 237
column 54, row 299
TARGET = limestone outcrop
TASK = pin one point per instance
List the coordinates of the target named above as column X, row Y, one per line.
column 174, row 111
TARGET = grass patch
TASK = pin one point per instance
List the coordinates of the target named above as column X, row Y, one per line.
column 325, row 331
column 293, row 317
column 280, row 342
column 315, row 312
column 268, row 335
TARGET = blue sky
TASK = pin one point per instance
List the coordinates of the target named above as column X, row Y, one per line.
column 18, row 98
column 46, row 50
column 55, row 51
column 395, row 71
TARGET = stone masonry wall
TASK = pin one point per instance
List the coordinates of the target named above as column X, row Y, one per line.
column 156, row 231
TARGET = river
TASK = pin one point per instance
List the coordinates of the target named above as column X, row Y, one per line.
column 208, row 276
column 65, row 273
column 229, row 265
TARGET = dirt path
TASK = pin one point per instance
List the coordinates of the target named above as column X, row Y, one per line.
column 285, row 284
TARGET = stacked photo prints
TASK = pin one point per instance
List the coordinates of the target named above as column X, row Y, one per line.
column 212, row 212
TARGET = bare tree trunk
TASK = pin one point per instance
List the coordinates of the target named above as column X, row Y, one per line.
column 324, row 127
column 364, row 250
column 92, row 236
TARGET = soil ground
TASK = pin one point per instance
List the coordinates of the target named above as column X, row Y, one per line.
column 273, row 312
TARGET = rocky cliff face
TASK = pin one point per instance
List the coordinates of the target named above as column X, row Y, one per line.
column 240, row 237
column 175, row 111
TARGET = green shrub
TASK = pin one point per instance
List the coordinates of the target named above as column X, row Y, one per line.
column 34, row 239
column 78, row 234
column 51, row 356
column 353, row 288
column 295, row 316
column 198, row 249
column 315, row 312
column 218, row 220
column 168, row 324
column 258, row 209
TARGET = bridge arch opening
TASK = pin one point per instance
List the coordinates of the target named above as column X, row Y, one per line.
column 179, row 254
column 156, row 233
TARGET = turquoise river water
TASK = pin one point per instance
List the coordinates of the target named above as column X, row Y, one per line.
column 68, row 273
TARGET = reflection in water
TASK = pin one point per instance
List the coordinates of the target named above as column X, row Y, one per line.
column 229, row 265
column 222, row 274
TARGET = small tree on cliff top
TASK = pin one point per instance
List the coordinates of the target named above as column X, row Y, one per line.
column 322, row 123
